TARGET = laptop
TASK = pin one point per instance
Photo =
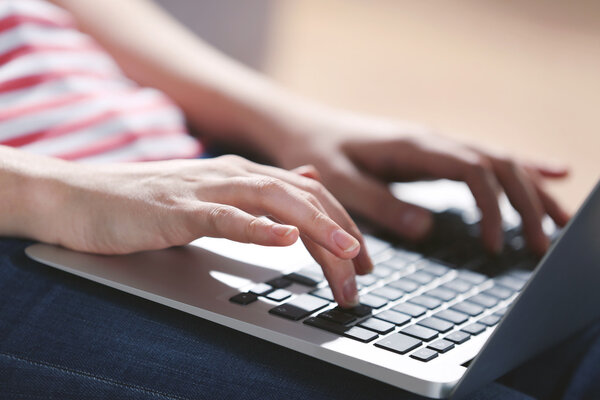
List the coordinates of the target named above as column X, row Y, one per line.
column 439, row 319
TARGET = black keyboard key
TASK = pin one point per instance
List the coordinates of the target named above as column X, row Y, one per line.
column 326, row 325
column 278, row 295
column 324, row 293
column 510, row 282
column 399, row 343
column 452, row 316
column 393, row 317
column 387, row 293
column 435, row 323
column 467, row 308
column 472, row 277
column 300, row 307
column 279, row 283
column 410, row 309
column 359, row 310
column 420, row 332
column 432, row 267
column 405, row 285
column 372, row 301
column 366, row 280
column 474, row 329
column 261, row 289
column 337, row 316
column 490, row 320
column 304, row 278
column 381, row 271
column 426, row 301
column 483, row 300
column 441, row 345
column 424, row 354
column 377, row 325
column 458, row 285
column 499, row 292
column 420, row 277
column 244, row 298
column 458, row 337
column 361, row 334
column 441, row 293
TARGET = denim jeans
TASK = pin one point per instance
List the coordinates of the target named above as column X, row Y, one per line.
column 64, row 337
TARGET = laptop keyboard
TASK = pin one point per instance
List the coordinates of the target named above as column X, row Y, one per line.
column 422, row 301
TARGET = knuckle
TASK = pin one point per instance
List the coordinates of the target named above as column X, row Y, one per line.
column 268, row 184
column 252, row 228
column 217, row 215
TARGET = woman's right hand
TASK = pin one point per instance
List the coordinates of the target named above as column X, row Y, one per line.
column 124, row 208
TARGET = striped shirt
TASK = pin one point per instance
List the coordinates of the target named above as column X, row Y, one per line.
column 62, row 95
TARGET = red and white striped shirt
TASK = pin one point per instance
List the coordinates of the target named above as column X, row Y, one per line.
column 62, row 95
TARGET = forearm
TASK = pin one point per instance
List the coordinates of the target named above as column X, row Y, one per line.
column 28, row 192
column 220, row 97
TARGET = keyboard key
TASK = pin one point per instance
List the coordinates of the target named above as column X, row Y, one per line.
column 305, row 278
column 437, row 324
column 261, row 289
column 472, row 277
column 366, row 280
column 441, row 345
column 458, row 285
column 420, row 277
column 424, row 354
column 361, row 334
column 410, row 309
column 521, row 274
column 326, row 325
column 490, row 320
column 244, row 298
column 375, row 245
column 499, row 292
column 407, row 255
column 441, row 293
column 399, row 343
column 397, row 263
column 337, row 316
column 474, row 329
column 483, row 300
column 404, row 284
column 510, row 282
column 501, row 312
column 387, row 293
column 382, row 271
column 372, row 301
column 420, row 332
column 377, row 325
column 432, row 267
column 453, row 316
column 458, row 337
column 300, row 307
column 278, row 295
column 467, row 308
column 393, row 317
column 359, row 310
column 425, row 301
column 324, row 293
column 279, row 283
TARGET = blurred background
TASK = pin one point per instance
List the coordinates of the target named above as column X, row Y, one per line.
column 521, row 76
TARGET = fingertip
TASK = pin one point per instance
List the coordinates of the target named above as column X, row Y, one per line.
column 416, row 223
column 348, row 246
column 285, row 234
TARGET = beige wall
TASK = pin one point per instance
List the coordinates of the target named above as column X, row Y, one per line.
column 523, row 75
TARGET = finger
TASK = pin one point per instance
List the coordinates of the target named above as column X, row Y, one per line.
column 263, row 195
column 375, row 202
column 558, row 214
column 308, row 171
column 553, row 171
column 524, row 198
column 217, row 220
column 339, row 273
column 331, row 206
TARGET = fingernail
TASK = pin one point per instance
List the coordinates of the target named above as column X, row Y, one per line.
column 282, row 230
column 417, row 222
column 349, row 291
column 345, row 241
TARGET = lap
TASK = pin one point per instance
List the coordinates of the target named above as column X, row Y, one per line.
column 64, row 337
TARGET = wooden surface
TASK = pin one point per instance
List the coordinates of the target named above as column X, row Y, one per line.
column 522, row 76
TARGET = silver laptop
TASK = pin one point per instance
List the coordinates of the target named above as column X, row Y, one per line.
column 439, row 319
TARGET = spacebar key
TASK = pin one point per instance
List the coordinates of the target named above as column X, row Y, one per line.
column 300, row 307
